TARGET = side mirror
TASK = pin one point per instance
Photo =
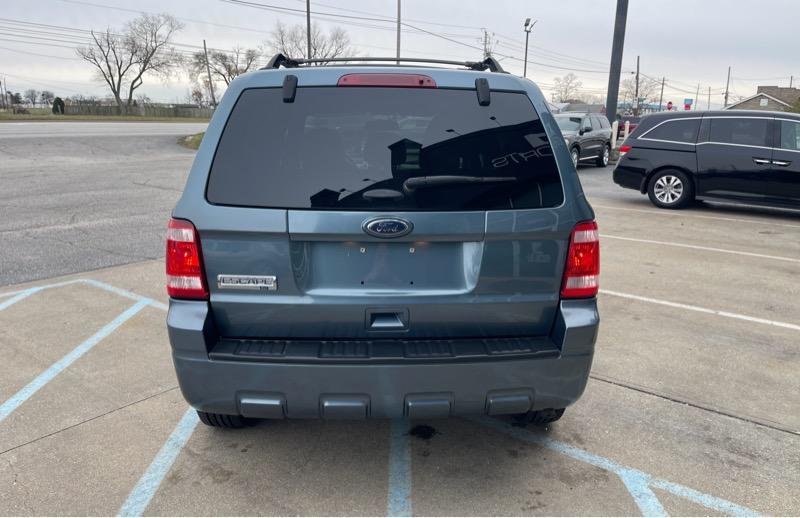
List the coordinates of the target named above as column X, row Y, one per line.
column 581, row 131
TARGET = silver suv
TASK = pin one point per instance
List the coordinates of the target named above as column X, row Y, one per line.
column 382, row 241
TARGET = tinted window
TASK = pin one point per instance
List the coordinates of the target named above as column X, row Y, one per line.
column 790, row 135
column 587, row 124
column 731, row 130
column 604, row 122
column 369, row 149
column 676, row 131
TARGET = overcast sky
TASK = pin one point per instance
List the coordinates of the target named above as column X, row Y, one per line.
column 687, row 41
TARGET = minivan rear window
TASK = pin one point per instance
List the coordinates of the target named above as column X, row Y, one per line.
column 678, row 130
column 372, row 149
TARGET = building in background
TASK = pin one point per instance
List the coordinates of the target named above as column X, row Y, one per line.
column 772, row 98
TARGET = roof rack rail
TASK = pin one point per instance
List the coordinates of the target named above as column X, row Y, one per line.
column 278, row 60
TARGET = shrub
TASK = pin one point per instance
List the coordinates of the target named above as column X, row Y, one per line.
column 58, row 106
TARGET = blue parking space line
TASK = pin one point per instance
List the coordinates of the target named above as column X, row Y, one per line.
column 123, row 292
column 399, row 501
column 711, row 502
column 146, row 488
column 17, row 297
column 92, row 282
column 630, row 477
column 45, row 377
column 639, row 488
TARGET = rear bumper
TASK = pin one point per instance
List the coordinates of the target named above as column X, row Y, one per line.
column 629, row 177
column 385, row 390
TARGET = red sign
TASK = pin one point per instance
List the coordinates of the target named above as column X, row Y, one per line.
column 669, row 105
column 687, row 107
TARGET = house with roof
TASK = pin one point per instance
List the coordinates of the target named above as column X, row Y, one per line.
column 771, row 98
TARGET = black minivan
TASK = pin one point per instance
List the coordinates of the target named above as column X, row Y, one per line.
column 750, row 157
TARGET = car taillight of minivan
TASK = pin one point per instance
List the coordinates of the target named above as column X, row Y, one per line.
column 390, row 80
column 623, row 150
column 583, row 262
column 184, row 262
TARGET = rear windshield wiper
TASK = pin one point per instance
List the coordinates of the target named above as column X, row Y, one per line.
column 422, row 182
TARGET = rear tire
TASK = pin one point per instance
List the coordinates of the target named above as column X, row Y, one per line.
column 223, row 420
column 604, row 156
column 670, row 189
column 540, row 417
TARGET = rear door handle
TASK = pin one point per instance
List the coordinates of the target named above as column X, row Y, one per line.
column 761, row 161
column 782, row 163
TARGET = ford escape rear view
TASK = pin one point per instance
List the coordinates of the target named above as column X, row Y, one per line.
column 382, row 241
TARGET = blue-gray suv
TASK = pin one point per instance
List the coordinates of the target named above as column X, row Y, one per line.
column 362, row 240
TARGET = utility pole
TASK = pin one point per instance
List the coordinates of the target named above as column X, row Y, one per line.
column 528, row 27
column 661, row 99
column 708, row 106
column 308, row 28
column 485, row 43
column 2, row 94
column 398, row 32
column 636, row 110
column 791, row 80
column 727, row 84
column 697, row 98
column 616, row 59
column 208, row 71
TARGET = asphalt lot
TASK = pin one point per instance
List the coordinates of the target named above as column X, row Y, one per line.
column 692, row 407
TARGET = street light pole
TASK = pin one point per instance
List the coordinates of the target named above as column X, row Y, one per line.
column 308, row 28
column 528, row 27
column 398, row 32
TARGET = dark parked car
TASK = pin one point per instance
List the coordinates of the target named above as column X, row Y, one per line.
column 382, row 241
column 750, row 157
column 587, row 135
column 632, row 121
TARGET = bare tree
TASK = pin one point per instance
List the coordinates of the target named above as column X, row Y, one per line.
column 143, row 48
column 648, row 89
column 565, row 88
column 224, row 66
column 291, row 41
column 31, row 96
column 46, row 96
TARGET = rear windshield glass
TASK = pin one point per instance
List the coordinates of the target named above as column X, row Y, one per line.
column 364, row 148
column 567, row 123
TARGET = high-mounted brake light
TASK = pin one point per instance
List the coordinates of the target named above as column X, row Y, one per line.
column 624, row 149
column 184, row 262
column 391, row 80
column 583, row 262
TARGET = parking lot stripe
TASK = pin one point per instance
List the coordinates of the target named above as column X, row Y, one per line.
column 661, row 212
column 16, row 298
column 399, row 501
column 689, row 307
column 146, row 488
column 644, row 497
column 704, row 248
column 45, row 377
column 632, row 478
column 92, row 282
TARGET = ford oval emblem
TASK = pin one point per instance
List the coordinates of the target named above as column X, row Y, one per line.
column 387, row 227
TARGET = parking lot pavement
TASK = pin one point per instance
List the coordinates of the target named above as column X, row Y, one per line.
column 98, row 194
column 691, row 409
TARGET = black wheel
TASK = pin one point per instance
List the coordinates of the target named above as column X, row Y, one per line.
column 603, row 157
column 576, row 156
column 540, row 417
column 670, row 189
column 223, row 420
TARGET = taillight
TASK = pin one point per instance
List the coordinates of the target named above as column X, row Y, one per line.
column 583, row 262
column 184, row 262
column 396, row 80
column 624, row 149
